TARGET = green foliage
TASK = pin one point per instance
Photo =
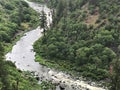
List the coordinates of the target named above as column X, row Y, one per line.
column 85, row 33
column 47, row 86
column 3, row 71
column 43, row 22
column 15, row 16
column 39, row 1
column 104, row 37
column 115, row 75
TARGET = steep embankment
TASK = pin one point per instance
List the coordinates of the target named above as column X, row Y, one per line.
column 84, row 37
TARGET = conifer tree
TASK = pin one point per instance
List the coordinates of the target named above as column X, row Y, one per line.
column 43, row 21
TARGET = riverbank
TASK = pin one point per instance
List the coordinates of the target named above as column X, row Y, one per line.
column 29, row 23
column 8, row 46
column 68, row 68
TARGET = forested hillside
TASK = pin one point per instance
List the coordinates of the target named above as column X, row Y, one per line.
column 15, row 16
column 84, row 37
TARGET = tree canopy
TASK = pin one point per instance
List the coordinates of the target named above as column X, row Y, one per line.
column 85, row 33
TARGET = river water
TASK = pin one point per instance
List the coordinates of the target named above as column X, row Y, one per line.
column 24, row 58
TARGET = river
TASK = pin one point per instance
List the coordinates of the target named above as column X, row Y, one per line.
column 23, row 56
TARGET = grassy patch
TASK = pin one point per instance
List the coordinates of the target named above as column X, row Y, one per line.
column 60, row 65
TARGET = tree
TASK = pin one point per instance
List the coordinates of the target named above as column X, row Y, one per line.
column 59, row 10
column 81, row 55
column 104, row 37
column 20, row 12
column 43, row 21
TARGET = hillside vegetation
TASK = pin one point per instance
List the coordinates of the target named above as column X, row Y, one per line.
column 84, row 37
column 15, row 16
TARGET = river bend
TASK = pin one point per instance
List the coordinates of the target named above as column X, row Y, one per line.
column 23, row 56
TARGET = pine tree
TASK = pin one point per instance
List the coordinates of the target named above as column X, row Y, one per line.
column 20, row 14
column 43, row 21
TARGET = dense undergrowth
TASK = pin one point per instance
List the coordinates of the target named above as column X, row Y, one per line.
column 85, row 34
column 16, row 17
column 38, row 1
